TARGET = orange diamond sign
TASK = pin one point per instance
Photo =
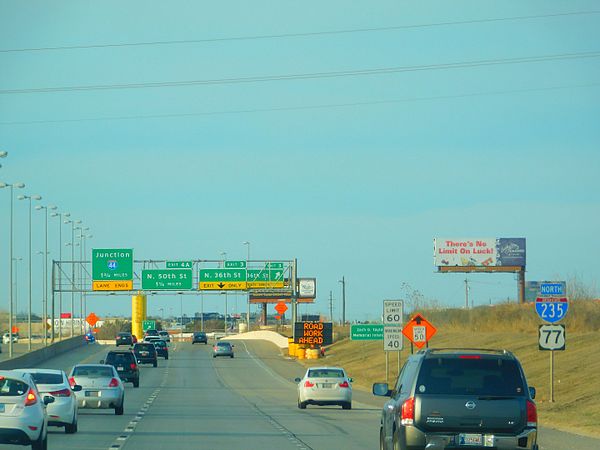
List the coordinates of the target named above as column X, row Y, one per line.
column 281, row 308
column 92, row 319
column 418, row 330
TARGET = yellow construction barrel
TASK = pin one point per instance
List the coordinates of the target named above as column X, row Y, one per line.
column 300, row 353
column 292, row 347
column 312, row 353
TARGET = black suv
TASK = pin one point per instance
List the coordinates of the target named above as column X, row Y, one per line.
column 124, row 338
column 459, row 399
column 161, row 348
column 125, row 363
column 145, row 353
column 199, row 336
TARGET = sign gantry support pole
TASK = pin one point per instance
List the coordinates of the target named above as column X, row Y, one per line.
column 294, row 295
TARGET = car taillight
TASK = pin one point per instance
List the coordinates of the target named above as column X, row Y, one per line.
column 31, row 398
column 469, row 356
column 531, row 414
column 307, row 383
column 61, row 393
column 344, row 384
column 72, row 381
column 133, row 366
column 408, row 412
column 113, row 383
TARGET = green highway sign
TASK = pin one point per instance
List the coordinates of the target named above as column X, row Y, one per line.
column 368, row 332
column 275, row 265
column 222, row 275
column 148, row 325
column 235, row 264
column 109, row 264
column 167, row 279
column 264, row 275
column 180, row 264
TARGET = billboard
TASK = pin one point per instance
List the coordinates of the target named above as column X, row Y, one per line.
column 478, row 252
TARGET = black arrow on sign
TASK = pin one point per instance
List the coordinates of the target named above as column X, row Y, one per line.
column 418, row 319
column 221, row 285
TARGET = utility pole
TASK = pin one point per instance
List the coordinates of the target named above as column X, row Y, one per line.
column 343, row 281
column 466, row 293
column 331, row 305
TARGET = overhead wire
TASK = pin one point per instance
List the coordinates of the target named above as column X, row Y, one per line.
column 311, row 75
column 305, row 107
column 298, row 34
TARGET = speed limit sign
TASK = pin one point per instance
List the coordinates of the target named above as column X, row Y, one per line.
column 393, row 311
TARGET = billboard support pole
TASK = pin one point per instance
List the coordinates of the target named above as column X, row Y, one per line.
column 521, row 285
column 294, row 296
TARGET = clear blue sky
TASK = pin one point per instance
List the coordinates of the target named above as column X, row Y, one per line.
column 360, row 190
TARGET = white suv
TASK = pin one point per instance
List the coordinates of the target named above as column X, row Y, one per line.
column 23, row 419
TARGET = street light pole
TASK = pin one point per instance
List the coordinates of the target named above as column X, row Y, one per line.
column 10, row 258
column 343, row 281
column 46, row 253
column 29, row 197
column 247, row 244
column 60, row 224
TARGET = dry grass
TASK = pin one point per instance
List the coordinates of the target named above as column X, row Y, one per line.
column 511, row 327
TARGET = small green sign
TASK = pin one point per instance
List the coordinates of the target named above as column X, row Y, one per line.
column 112, row 264
column 167, row 279
column 275, row 265
column 235, row 264
column 222, row 275
column 148, row 325
column 265, row 275
column 180, row 264
column 367, row 332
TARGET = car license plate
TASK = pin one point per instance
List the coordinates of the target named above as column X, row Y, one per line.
column 2, row 407
column 144, row 353
column 92, row 393
column 120, row 368
column 327, row 385
column 470, row 439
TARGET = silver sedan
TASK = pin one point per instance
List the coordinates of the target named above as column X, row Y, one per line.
column 101, row 387
column 325, row 386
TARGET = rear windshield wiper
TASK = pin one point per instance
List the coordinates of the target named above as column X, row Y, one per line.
column 496, row 397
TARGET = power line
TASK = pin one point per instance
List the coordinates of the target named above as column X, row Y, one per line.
column 301, row 108
column 295, row 35
column 307, row 76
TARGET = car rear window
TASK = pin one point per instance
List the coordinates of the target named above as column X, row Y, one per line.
column 93, row 372
column 223, row 344
column 139, row 347
column 456, row 376
column 47, row 378
column 12, row 388
column 115, row 358
column 325, row 373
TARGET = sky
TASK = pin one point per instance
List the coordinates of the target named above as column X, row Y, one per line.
column 344, row 134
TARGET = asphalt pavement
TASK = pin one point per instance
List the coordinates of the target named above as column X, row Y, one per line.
column 193, row 401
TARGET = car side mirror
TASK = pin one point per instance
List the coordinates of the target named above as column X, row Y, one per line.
column 381, row 390
column 532, row 392
column 101, row 361
column 48, row 399
column 350, row 379
column 297, row 380
column 76, row 388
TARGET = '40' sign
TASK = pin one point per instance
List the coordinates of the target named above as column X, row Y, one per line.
column 551, row 309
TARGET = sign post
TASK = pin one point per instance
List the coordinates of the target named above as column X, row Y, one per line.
column 393, row 315
column 551, row 306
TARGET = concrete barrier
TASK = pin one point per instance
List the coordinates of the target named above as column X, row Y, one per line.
column 36, row 357
column 277, row 339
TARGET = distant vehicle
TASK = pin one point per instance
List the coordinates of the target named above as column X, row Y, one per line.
column 134, row 338
column 124, row 338
column 325, row 386
column 101, row 387
column 145, row 353
column 63, row 411
column 161, row 348
column 459, row 398
column 23, row 418
column 164, row 335
column 222, row 348
column 6, row 338
column 89, row 338
column 126, row 364
column 152, row 338
column 151, row 332
column 199, row 337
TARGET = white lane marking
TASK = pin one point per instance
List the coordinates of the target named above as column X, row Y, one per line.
column 261, row 364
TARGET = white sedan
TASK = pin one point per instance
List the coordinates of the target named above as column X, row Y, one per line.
column 23, row 419
column 325, row 386
column 101, row 387
column 63, row 411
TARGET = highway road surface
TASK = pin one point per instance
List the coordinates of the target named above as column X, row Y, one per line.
column 193, row 401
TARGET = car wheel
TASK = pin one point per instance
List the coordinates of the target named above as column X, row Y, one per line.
column 396, row 441
column 214, row 356
column 119, row 410
column 301, row 405
column 41, row 443
column 136, row 383
column 381, row 440
column 347, row 405
column 71, row 428
column 155, row 364
column 231, row 356
column 167, row 357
